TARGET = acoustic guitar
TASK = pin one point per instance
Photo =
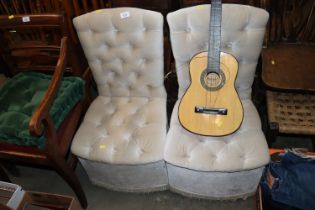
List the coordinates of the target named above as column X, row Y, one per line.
column 211, row 105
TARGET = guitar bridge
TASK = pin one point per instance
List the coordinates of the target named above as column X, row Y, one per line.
column 210, row 110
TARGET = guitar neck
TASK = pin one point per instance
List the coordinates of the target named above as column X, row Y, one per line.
column 215, row 36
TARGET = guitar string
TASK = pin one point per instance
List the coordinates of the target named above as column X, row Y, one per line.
column 217, row 10
column 208, row 63
column 208, row 93
column 219, row 47
column 212, row 21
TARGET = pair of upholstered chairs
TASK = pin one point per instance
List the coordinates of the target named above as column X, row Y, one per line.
column 124, row 142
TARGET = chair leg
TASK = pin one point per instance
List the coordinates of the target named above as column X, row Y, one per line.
column 272, row 133
column 3, row 175
column 64, row 170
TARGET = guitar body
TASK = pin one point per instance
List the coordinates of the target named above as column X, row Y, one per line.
column 211, row 105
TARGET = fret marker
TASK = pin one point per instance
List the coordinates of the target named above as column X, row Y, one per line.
column 273, row 62
column 10, row 17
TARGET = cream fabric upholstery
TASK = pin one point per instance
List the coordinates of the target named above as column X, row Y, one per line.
column 213, row 185
column 125, row 54
column 123, row 130
column 128, row 178
column 125, row 126
column 243, row 29
column 244, row 149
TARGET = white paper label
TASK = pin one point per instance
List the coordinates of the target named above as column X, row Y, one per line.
column 26, row 19
column 124, row 14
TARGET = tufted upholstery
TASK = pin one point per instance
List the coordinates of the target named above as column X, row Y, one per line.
column 125, row 54
column 224, row 167
column 124, row 130
column 244, row 149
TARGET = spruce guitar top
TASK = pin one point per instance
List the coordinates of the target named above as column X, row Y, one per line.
column 211, row 105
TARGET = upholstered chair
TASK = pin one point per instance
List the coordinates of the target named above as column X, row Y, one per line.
column 226, row 167
column 121, row 140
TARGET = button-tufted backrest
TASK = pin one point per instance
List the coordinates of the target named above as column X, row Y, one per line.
column 124, row 48
column 242, row 33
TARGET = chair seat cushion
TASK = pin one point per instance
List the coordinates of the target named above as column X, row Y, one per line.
column 243, row 150
column 20, row 97
column 122, row 130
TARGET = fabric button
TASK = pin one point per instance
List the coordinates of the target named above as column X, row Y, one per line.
column 229, row 45
column 127, row 136
column 140, row 151
column 97, row 124
column 186, row 156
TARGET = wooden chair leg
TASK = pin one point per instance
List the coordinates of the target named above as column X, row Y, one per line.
column 3, row 175
column 64, row 170
column 272, row 133
column 72, row 161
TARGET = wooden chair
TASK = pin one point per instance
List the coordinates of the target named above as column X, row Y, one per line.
column 288, row 71
column 30, row 42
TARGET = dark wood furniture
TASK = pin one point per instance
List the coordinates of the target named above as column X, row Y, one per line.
column 50, row 201
column 20, row 54
column 26, row 200
column 188, row 3
column 289, row 66
column 291, row 21
column 162, row 6
column 288, row 71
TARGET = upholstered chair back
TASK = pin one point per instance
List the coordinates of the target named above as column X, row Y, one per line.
column 124, row 48
column 242, row 32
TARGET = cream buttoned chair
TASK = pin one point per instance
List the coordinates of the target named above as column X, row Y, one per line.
column 225, row 167
column 121, row 140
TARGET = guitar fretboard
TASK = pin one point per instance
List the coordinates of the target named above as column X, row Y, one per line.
column 215, row 36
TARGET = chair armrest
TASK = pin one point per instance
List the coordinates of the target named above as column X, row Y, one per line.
column 42, row 111
column 89, row 82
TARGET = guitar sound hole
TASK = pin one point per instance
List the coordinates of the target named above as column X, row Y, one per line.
column 212, row 81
